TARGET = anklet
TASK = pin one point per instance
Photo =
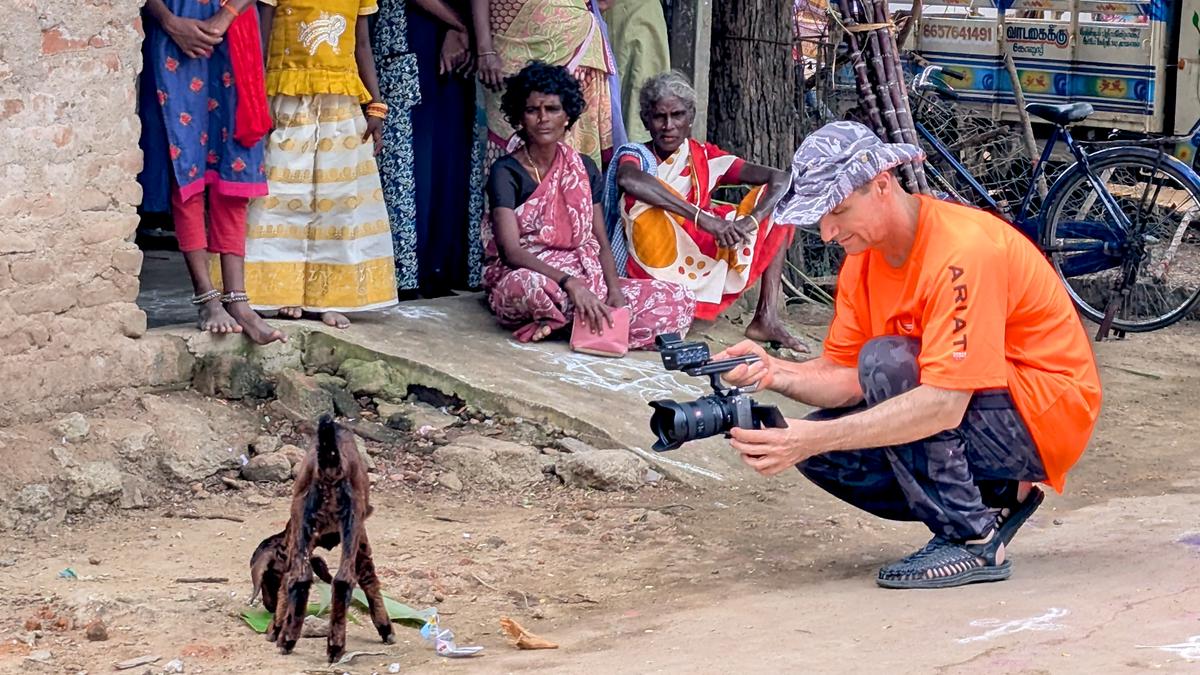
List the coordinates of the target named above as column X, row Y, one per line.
column 235, row 296
column 205, row 297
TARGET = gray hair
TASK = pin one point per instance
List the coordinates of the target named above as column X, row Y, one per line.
column 671, row 84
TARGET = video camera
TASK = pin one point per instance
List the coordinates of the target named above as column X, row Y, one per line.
column 676, row 423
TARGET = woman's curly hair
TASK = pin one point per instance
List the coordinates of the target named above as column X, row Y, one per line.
column 543, row 78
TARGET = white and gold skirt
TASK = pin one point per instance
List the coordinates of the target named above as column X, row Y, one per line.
column 320, row 240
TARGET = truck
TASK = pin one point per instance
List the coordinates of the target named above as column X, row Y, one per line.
column 1137, row 62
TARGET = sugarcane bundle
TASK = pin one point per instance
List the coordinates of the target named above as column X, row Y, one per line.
column 880, row 79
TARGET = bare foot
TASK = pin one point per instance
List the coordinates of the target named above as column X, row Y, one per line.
column 253, row 326
column 533, row 332
column 214, row 318
column 335, row 319
column 773, row 330
column 290, row 312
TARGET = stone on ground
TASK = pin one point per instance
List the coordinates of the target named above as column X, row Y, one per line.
column 272, row 468
column 367, row 459
column 386, row 409
column 420, row 417
column 371, row 378
column 343, row 401
column 427, row 417
column 294, row 454
column 93, row 481
column 314, row 627
column 302, row 396
column 73, row 427
column 265, row 444
column 189, row 449
column 602, row 470
column 568, row 444
column 481, row 462
column 326, row 380
column 231, row 376
column 451, row 481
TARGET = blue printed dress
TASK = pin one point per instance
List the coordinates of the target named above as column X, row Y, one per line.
column 187, row 110
column 398, row 85
column 433, row 164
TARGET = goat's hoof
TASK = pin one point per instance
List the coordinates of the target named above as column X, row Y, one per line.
column 389, row 638
column 286, row 647
column 335, row 653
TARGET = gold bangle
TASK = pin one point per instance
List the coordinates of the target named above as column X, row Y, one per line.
column 377, row 109
column 756, row 223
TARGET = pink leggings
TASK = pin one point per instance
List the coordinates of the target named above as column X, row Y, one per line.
column 226, row 232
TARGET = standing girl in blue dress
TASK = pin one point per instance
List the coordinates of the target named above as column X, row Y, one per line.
column 196, row 141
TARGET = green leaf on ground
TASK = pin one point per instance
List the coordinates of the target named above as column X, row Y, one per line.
column 258, row 618
column 398, row 612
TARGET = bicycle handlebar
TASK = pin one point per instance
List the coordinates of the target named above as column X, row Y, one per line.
column 928, row 80
column 956, row 74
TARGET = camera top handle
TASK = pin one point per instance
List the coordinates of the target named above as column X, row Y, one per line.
column 714, row 369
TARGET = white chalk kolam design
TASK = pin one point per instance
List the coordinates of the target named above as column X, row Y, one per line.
column 1045, row 622
column 645, row 379
column 1188, row 651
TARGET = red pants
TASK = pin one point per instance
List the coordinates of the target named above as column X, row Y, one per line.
column 226, row 231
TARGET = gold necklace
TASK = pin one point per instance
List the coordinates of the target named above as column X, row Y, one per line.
column 533, row 164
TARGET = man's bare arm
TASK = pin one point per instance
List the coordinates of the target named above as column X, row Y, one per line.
column 911, row 416
column 817, row 382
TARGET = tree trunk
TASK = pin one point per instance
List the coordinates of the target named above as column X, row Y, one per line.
column 751, row 103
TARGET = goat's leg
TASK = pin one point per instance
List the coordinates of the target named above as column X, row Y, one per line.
column 279, row 615
column 369, row 582
column 343, row 582
column 321, row 569
column 295, row 608
column 270, row 600
column 298, row 579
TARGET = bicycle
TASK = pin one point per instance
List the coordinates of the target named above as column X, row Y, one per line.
column 1121, row 255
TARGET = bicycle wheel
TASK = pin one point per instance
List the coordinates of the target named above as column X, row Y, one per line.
column 1154, row 265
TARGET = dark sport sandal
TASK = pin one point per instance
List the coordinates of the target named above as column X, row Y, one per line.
column 944, row 564
column 1011, row 519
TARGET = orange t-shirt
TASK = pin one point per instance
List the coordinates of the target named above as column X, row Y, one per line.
column 990, row 312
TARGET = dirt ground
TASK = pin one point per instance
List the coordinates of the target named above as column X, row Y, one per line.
column 762, row 576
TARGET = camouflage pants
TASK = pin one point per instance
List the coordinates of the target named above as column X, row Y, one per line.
column 953, row 481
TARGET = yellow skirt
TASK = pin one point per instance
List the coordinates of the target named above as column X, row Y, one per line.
column 321, row 239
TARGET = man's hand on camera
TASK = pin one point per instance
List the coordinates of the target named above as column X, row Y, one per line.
column 761, row 373
column 773, row 451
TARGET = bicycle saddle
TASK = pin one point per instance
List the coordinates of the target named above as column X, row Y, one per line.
column 1061, row 115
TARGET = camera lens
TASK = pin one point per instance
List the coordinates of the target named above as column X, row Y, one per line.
column 675, row 423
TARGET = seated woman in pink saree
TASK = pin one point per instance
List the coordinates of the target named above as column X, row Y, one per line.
column 546, row 252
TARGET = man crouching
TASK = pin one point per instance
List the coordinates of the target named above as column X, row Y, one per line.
column 955, row 374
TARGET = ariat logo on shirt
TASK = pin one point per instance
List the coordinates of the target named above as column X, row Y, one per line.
column 960, row 309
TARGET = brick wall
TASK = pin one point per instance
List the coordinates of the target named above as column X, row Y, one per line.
column 70, row 333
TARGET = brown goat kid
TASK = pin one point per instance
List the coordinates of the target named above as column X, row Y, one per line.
column 330, row 505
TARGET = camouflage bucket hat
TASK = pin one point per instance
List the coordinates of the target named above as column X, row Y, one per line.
column 832, row 162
